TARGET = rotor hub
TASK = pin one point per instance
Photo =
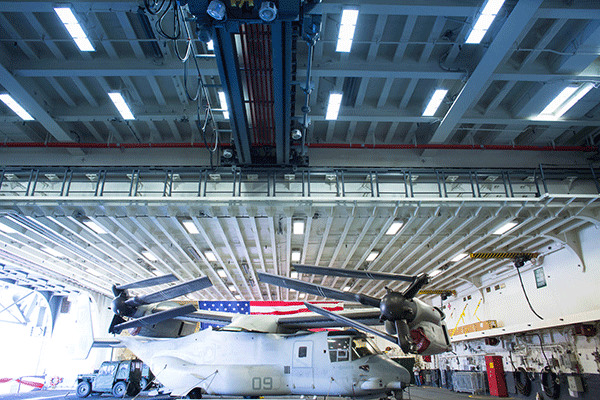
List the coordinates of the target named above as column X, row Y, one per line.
column 394, row 306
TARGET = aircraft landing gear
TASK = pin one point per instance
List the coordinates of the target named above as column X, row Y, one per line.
column 396, row 395
column 195, row 393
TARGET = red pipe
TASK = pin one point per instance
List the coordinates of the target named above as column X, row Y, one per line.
column 310, row 145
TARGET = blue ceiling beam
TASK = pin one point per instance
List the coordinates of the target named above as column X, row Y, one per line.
column 229, row 70
column 281, row 33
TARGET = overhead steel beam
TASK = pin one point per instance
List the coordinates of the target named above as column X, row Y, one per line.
column 229, row 71
column 406, row 70
column 281, row 33
column 22, row 96
column 517, row 20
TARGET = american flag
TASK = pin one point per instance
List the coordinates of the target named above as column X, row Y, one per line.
column 264, row 307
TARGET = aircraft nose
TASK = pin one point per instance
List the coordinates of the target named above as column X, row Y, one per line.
column 389, row 370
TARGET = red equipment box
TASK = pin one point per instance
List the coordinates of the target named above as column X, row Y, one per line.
column 495, row 374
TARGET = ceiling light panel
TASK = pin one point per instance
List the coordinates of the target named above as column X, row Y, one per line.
column 190, row 227
column 72, row 25
column 296, row 256
column 149, row 256
column 298, row 227
column 458, row 257
column 566, row 99
column 210, row 256
column 16, row 107
column 6, row 229
column 484, row 20
column 505, row 228
column 119, row 101
column 372, row 256
column 434, row 102
column 394, row 228
column 223, row 102
column 347, row 28
column 94, row 226
column 333, row 107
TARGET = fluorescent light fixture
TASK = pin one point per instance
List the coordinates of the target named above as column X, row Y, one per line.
column 232, row 288
column 435, row 272
column 221, row 272
column 302, row 295
column 296, row 256
column 346, row 33
column 294, row 274
column 70, row 21
column 492, row 7
column 121, row 105
column 484, row 21
column 373, row 255
column 505, row 228
column 190, row 227
column 93, row 272
column 238, row 297
column 394, row 228
column 210, row 256
column 564, row 101
column 458, row 257
column 16, row 107
column 434, row 102
column 476, row 36
column 223, row 102
column 53, row 252
column 210, row 45
column 333, row 107
column 298, row 227
column 149, row 256
column 156, row 272
column 346, row 289
column 6, row 229
column 94, row 226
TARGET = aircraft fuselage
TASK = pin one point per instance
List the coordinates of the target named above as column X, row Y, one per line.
column 240, row 363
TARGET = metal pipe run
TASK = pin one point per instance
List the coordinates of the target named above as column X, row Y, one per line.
column 310, row 145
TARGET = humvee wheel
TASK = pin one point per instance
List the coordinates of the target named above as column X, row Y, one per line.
column 119, row 389
column 84, row 389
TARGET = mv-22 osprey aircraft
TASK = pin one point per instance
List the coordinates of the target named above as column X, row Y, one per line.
column 264, row 355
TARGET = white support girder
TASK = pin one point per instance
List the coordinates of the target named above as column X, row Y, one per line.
column 518, row 19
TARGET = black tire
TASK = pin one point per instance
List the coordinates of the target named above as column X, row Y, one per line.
column 84, row 389
column 195, row 393
column 133, row 389
column 119, row 389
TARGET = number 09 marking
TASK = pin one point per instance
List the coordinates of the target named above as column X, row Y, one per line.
column 265, row 383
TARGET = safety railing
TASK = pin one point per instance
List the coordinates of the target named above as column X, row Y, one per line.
column 415, row 183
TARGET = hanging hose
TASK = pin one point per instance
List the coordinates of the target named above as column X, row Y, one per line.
column 550, row 383
column 522, row 381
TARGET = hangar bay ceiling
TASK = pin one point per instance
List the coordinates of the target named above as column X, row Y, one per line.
column 90, row 229
column 243, row 210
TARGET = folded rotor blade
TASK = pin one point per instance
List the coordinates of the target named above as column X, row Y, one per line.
column 414, row 288
column 317, row 290
column 155, row 318
column 350, row 322
column 171, row 293
column 313, row 269
column 159, row 280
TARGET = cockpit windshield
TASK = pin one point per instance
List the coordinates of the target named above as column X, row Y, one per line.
column 350, row 348
column 363, row 347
